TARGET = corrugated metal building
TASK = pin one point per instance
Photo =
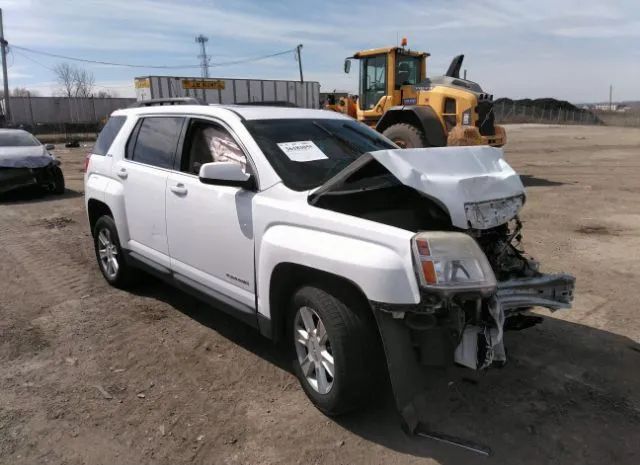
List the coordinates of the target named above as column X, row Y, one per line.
column 32, row 111
column 230, row 91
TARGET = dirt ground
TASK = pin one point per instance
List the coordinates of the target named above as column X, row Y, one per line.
column 90, row 374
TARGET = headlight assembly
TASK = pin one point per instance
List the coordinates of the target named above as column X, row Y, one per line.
column 451, row 261
column 466, row 117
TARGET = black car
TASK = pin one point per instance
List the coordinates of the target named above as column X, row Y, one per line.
column 24, row 161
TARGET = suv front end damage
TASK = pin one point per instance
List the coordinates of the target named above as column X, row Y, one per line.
column 475, row 280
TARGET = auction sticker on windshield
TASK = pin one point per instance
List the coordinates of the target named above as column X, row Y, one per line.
column 304, row 150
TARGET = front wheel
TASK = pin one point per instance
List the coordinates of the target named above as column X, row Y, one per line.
column 57, row 186
column 336, row 360
column 405, row 136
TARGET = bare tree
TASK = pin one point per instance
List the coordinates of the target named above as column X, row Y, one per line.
column 74, row 81
column 84, row 82
column 24, row 92
column 64, row 76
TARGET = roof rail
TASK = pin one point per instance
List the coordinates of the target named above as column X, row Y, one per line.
column 166, row 101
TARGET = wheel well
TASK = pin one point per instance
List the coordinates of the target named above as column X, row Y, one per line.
column 288, row 277
column 398, row 116
column 96, row 209
column 423, row 117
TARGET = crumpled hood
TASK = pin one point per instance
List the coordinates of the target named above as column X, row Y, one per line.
column 25, row 157
column 456, row 177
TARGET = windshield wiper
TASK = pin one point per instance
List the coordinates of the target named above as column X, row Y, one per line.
column 378, row 142
column 342, row 140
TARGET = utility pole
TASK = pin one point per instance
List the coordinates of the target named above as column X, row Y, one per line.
column 204, row 59
column 610, row 97
column 3, row 46
column 465, row 75
column 298, row 48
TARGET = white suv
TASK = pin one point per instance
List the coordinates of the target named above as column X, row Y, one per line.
column 321, row 233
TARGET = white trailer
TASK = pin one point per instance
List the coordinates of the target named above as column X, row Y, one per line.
column 229, row 91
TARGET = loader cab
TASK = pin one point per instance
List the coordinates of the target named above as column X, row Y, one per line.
column 383, row 74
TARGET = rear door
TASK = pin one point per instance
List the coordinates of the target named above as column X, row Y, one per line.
column 150, row 155
column 209, row 227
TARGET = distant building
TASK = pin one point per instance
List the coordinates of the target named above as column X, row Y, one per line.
column 619, row 107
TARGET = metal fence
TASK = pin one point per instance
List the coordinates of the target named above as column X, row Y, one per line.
column 55, row 111
column 618, row 118
column 517, row 113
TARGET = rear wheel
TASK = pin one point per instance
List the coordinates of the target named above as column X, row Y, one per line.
column 406, row 136
column 109, row 254
column 335, row 344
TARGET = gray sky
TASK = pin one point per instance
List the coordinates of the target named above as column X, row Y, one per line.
column 566, row 49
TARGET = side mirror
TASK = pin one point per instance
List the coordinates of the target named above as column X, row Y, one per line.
column 49, row 147
column 347, row 65
column 226, row 173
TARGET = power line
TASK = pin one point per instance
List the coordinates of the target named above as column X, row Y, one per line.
column 32, row 60
column 98, row 62
column 129, row 65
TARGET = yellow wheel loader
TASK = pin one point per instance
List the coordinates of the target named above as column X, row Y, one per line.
column 398, row 99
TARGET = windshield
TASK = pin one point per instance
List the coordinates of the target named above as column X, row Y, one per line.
column 408, row 70
column 17, row 139
column 308, row 152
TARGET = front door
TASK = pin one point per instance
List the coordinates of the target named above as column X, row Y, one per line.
column 210, row 228
column 373, row 81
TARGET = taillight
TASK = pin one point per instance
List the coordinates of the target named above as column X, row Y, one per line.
column 87, row 159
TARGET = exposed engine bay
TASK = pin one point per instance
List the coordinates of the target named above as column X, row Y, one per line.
column 469, row 190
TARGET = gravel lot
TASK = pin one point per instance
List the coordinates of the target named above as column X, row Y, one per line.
column 90, row 374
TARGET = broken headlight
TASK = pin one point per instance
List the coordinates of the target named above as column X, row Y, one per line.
column 492, row 213
column 451, row 261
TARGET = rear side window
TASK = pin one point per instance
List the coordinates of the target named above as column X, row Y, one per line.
column 156, row 141
column 108, row 134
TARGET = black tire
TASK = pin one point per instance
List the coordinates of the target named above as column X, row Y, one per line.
column 354, row 345
column 124, row 277
column 58, row 186
column 406, row 136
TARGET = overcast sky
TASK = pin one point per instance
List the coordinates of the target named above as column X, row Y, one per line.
column 568, row 49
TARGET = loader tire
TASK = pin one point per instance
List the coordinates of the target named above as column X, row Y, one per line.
column 406, row 136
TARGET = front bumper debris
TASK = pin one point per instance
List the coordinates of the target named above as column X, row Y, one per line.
column 14, row 178
column 420, row 355
column 17, row 178
column 552, row 291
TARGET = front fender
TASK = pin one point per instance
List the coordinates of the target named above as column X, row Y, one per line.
column 383, row 273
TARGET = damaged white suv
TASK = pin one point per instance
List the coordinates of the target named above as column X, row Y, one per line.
column 322, row 234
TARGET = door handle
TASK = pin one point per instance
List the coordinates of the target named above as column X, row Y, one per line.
column 178, row 189
column 122, row 173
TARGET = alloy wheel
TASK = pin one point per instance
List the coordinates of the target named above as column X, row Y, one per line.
column 108, row 253
column 313, row 349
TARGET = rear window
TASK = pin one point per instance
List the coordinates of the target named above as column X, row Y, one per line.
column 108, row 134
column 157, row 141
